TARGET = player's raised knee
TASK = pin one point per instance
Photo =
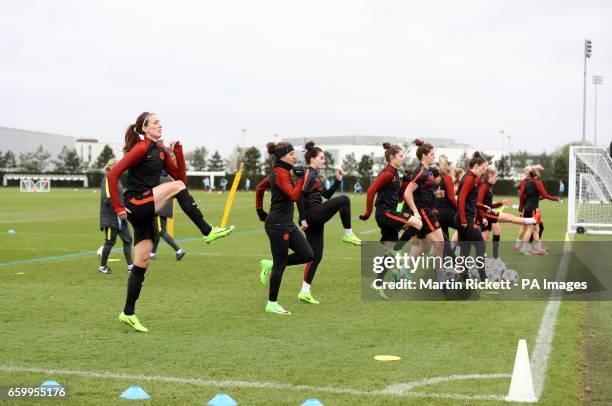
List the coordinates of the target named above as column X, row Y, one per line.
column 178, row 185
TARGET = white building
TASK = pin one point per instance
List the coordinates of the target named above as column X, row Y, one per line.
column 23, row 141
column 90, row 148
column 341, row 146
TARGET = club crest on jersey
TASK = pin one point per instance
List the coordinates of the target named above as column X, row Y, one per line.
column 161, row 155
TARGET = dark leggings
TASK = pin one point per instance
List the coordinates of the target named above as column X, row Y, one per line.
column 446, row 219
column 316, row 219
column 110, row 237
column 281, row 239
column 471, row 235
column 162, row 223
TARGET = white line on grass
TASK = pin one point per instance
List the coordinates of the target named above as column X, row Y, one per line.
column 399, row 388
column 219, row 254
column 370, row 231
column 232, row 383
column 36, row 220
column 546, row 333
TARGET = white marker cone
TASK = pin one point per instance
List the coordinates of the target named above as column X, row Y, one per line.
column 521, row 386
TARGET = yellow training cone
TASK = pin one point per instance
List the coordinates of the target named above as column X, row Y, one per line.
column 387, row 358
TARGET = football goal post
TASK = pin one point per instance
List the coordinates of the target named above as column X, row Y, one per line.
column 590, row 191
column 41, row 182
column 34, row 185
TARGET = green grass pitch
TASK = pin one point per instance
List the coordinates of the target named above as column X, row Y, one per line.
column 208, row 326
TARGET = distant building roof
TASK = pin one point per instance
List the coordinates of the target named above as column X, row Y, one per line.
column 21, row 141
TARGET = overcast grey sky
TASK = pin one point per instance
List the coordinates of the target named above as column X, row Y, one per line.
column 457, row 69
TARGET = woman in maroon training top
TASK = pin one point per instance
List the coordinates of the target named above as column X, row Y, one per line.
column 144, row 161
column 467, row 218
column 485, row 198
column 387, row 188
column 521, row 188
column 282, row 232
column 533, row 192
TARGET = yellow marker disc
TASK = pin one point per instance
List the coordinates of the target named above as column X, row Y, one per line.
column 19, row 273
column 113, row 259
column 387, row 358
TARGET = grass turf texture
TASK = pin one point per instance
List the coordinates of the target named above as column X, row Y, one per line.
column 207, row 321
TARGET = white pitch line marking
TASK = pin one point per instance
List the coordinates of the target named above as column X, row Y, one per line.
column 546, row 333
column 268, row 385
column 370, row 231
column 400, row 388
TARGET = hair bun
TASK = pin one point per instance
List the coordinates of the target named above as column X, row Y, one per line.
column 477, row 154
column 271, row 147
column 309, row 145
column 386, row 145
column 418, row 142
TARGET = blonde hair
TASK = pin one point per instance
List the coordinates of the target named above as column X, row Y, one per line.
column 458, row 173
column 526, row 170
column 445, row 168
column 111, row 162
column 534, row 170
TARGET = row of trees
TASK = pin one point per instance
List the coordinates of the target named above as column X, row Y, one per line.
column 556, row 165
column 198, row 160
column 68, row 161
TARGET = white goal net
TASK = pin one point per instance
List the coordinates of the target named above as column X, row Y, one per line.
column 34, row 185
column 590, row 191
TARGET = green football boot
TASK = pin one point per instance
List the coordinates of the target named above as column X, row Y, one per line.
column 306, row 297
column 133, row 322
column 274, row 307
column 351, row 239
column 216, row 233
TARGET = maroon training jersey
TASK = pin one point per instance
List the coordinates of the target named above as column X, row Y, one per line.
column 423, row 195
column 144, row 163
column 386, row 188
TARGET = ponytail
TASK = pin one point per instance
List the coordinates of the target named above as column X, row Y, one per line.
column 132, row 136
column 311, row 151
column 445, row 168
column 279, row 150
column 391, row 150
column 534, row 170
column 477, row 159
column 423, row 148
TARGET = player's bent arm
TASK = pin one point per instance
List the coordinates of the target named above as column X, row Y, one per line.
column 409, row 198
column 383, row 179
column 130, row 159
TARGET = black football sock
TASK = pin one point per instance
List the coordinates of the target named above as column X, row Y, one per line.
column 133, row 291
column 191, row 209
